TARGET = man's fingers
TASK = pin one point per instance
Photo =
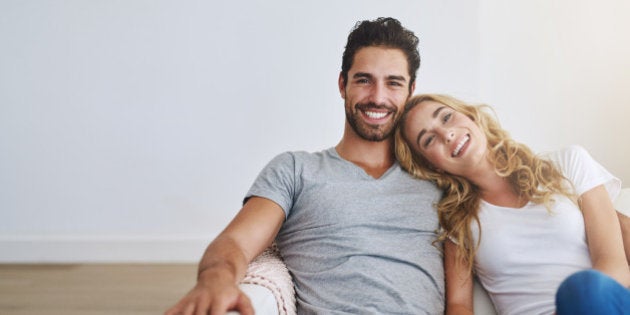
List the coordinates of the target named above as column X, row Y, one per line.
column 172, row 310
column 203, row 302
column 190, row 308
column 238, row 302
column 220, row 305
column 244, row 305
column 181, row 308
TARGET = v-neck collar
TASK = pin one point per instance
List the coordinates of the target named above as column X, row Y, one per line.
column 359, row 170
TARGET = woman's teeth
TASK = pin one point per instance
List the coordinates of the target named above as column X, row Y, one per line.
column 460, row 145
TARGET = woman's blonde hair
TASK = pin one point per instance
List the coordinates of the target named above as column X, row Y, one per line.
column 532, row 178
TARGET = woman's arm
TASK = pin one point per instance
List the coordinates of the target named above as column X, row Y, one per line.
column 624, row 221
column 603, row 234
column 459, row 283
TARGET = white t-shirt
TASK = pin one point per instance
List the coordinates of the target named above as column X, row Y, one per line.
column 526, row 253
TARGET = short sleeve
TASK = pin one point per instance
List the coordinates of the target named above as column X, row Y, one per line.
column 579, row 167
column 276, row 182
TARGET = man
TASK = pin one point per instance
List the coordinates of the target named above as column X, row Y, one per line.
column 354, row 229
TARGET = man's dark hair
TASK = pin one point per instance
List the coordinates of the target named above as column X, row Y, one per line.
column 385, row 32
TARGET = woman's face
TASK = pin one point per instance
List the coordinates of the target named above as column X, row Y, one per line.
column 448, row 139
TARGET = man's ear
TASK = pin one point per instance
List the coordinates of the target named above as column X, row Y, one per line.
column 342, row 86
column 412, row 88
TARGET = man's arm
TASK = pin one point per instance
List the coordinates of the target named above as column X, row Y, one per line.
column 225, row 261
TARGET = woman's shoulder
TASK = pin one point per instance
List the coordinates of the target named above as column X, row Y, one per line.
column 567, row 155
column 583, row 171
column 569, row 149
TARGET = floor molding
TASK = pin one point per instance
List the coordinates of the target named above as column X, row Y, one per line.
column 102, row 249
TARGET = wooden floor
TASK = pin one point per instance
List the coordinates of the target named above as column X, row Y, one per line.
column 93, row 289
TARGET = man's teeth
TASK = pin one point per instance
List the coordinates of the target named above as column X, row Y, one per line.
column 376, row 115
column 460, row 145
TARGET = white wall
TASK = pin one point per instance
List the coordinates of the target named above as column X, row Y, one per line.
column 558, row 73
column 130, row 130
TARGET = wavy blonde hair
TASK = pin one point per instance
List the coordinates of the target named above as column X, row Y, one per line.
column 532, row 178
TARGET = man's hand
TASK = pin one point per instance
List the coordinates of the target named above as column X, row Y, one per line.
column 225, row 261
column 212, row 298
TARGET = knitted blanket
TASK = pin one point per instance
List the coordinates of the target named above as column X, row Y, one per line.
column 268, row 270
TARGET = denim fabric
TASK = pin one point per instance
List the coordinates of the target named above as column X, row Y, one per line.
column 592, row 292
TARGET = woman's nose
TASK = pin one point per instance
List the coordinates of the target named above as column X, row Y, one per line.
column 448, row 135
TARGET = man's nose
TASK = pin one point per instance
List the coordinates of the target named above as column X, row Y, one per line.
column 378, row 94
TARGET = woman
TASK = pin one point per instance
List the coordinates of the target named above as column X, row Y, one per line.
column 513, row 217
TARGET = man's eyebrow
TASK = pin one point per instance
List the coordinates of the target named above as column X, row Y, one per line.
column 397, row 78
column 389, row 77
column 435, row 114
column 362, row 75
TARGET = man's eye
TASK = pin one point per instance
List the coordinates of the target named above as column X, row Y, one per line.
column 362, row 81
column 394, row 83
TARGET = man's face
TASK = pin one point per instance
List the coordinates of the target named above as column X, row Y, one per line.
column 376, row 91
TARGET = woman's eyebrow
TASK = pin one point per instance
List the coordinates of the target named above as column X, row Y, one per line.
column 437, row 111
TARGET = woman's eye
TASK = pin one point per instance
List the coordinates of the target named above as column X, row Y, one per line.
column 447, row 117
column 428, row 141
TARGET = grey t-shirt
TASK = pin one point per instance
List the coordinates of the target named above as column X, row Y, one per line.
column 355, row 244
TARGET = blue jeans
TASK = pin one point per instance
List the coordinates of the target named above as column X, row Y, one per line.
column 592, row 292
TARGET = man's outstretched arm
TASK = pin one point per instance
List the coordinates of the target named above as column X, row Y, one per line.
column 225, row 261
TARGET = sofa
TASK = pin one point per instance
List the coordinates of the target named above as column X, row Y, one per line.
column 270, row 289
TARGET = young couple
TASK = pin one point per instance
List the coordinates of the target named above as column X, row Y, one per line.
column 358, row 233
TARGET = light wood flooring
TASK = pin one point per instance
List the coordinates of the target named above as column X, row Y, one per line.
column 93, row 289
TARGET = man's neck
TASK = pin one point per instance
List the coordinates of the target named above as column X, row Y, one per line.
column 375, row 158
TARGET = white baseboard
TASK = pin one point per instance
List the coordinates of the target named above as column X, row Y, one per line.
column 102, row 249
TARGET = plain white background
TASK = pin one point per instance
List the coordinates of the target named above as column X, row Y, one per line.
column 130, row 130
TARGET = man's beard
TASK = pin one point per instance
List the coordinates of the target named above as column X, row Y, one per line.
column 370, row 132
